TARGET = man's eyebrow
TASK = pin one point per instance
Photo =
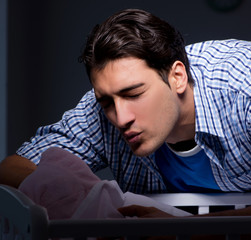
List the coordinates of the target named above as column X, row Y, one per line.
column 127, row 89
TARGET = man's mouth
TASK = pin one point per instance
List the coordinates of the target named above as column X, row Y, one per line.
column 132, row 137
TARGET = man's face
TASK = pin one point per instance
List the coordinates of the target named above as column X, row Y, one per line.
column 138, row 102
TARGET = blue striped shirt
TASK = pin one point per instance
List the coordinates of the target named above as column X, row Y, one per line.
column 222, row 92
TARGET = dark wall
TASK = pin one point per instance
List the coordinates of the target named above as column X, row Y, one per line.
column 45, row 39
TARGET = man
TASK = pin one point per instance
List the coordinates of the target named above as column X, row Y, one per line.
column 162, row 117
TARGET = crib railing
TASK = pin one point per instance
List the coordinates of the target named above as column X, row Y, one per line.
column 204, row 202
column 230, row 228
column 21, row 219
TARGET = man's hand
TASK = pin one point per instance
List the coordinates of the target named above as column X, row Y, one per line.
column 143, row 212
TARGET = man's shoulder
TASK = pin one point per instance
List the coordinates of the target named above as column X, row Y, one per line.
column 88, row 99
column 222, row 64
column 87, row 105
column 87, row 114
column 219, row 46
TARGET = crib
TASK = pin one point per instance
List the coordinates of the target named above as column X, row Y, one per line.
column 21, row 219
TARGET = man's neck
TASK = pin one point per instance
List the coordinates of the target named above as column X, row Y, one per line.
column 182, row 136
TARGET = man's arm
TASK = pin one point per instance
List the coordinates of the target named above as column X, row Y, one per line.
column 14, row 169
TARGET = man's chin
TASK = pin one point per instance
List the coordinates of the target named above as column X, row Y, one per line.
column 141, row 152
column 144, row 150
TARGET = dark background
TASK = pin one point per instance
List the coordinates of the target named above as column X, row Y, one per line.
column 45, row 38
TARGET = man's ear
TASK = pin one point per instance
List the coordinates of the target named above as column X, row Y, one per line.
column 179, row 77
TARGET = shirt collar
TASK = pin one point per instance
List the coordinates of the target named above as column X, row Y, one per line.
column 207, row 119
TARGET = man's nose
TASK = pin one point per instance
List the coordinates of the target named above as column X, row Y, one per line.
column 124, row 114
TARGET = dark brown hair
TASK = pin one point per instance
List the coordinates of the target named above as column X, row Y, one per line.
column 135, row 33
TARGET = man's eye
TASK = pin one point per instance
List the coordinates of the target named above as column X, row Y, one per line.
column 134, row 95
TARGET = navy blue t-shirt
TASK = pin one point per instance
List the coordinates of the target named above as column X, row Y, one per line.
column 188, row 171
